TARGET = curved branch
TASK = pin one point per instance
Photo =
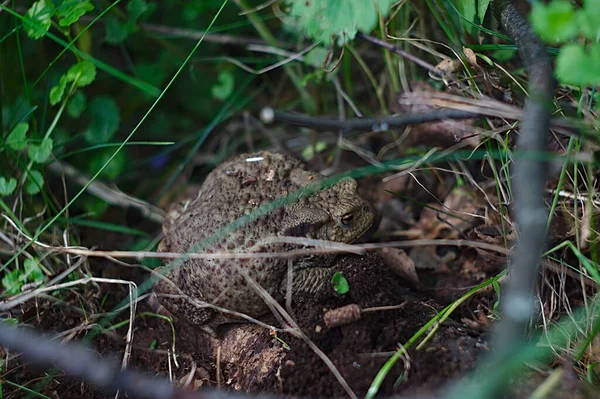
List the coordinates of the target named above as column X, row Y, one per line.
column 529, row 181
column 79, row 362
column 268, row 115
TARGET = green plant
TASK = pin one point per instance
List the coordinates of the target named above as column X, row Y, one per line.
column 16, row 278
column 37, row 21
column 340, row 284
column 37, row 151
column 578, row 31
column 119, row 29
column 473, row 11
column 339, row 20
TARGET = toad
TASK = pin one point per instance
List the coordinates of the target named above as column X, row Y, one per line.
column 250, row 204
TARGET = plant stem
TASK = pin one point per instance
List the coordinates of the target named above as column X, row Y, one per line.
column 307, row 101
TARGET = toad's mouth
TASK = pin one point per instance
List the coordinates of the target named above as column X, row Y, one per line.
column 367, row 233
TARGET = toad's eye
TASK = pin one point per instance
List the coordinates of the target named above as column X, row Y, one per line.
column 347, row 219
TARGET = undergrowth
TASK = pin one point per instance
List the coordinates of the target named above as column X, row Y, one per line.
column 110, row 109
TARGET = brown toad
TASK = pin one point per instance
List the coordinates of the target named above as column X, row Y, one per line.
column 237, row 188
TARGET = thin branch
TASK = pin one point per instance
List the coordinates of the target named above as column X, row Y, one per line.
column 112, row 196
column 80, row 362
column 328, row 249
column 395, row 49
column 531, row 213
column 269, row 115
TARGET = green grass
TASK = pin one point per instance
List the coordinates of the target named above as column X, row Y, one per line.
column 162, row 85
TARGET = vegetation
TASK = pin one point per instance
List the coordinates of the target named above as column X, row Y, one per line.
column 112, row 109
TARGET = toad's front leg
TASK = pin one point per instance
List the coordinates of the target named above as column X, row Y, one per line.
column 308, row 278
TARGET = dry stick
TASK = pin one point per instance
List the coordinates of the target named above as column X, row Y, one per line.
column 486, row 106
column 395, row 49
column 322, row 247
column 269, row 115
column 80, row 362
column 276, row 308
column 530, row 177
column 110, row 195
column 184, row 33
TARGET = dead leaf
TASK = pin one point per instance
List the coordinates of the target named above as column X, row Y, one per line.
column 470, row 54
column 458, row 213
column 446, row 66
column 400, row 263
column 435, row 134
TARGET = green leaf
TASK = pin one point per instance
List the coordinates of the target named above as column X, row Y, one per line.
column 136, row 8
column 315, row 57
column 35, row 182
column 72, row 10
column 17, row 139
column 467, row 9
column 105, row 120
column 83, row 73
column 37, row 19
column 224, row 87
column 309, row 151
column 503, row 55
column 575, row 66
column 555, row 21
column 11, row 321
column 115, row 32
column 94, row 206
column 340, row 284
column 588, row 19
column 33, row 272
column 40, row 153
column 61, row 139
column 148, row 72
column 7, row 187
column 113, row 169
column 11, row 283
column 324, row 19
column 76, row 105
column 58, row 91
column 482, row 7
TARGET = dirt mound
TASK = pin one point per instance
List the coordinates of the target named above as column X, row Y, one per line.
column 250, row 359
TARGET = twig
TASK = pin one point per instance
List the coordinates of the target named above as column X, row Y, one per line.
column 177, row 32
column 110, row 195
column 487, row 106
column 530, row 176
column 395, row 49
column 78, row 361
column 269, row 115
column 276, row 308
column 192, row 34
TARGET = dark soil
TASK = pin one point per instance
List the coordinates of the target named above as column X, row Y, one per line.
column 361, row 348
column 358, row 349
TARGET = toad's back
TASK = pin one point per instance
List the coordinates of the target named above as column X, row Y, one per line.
column 234, row 189
column 239, row 187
